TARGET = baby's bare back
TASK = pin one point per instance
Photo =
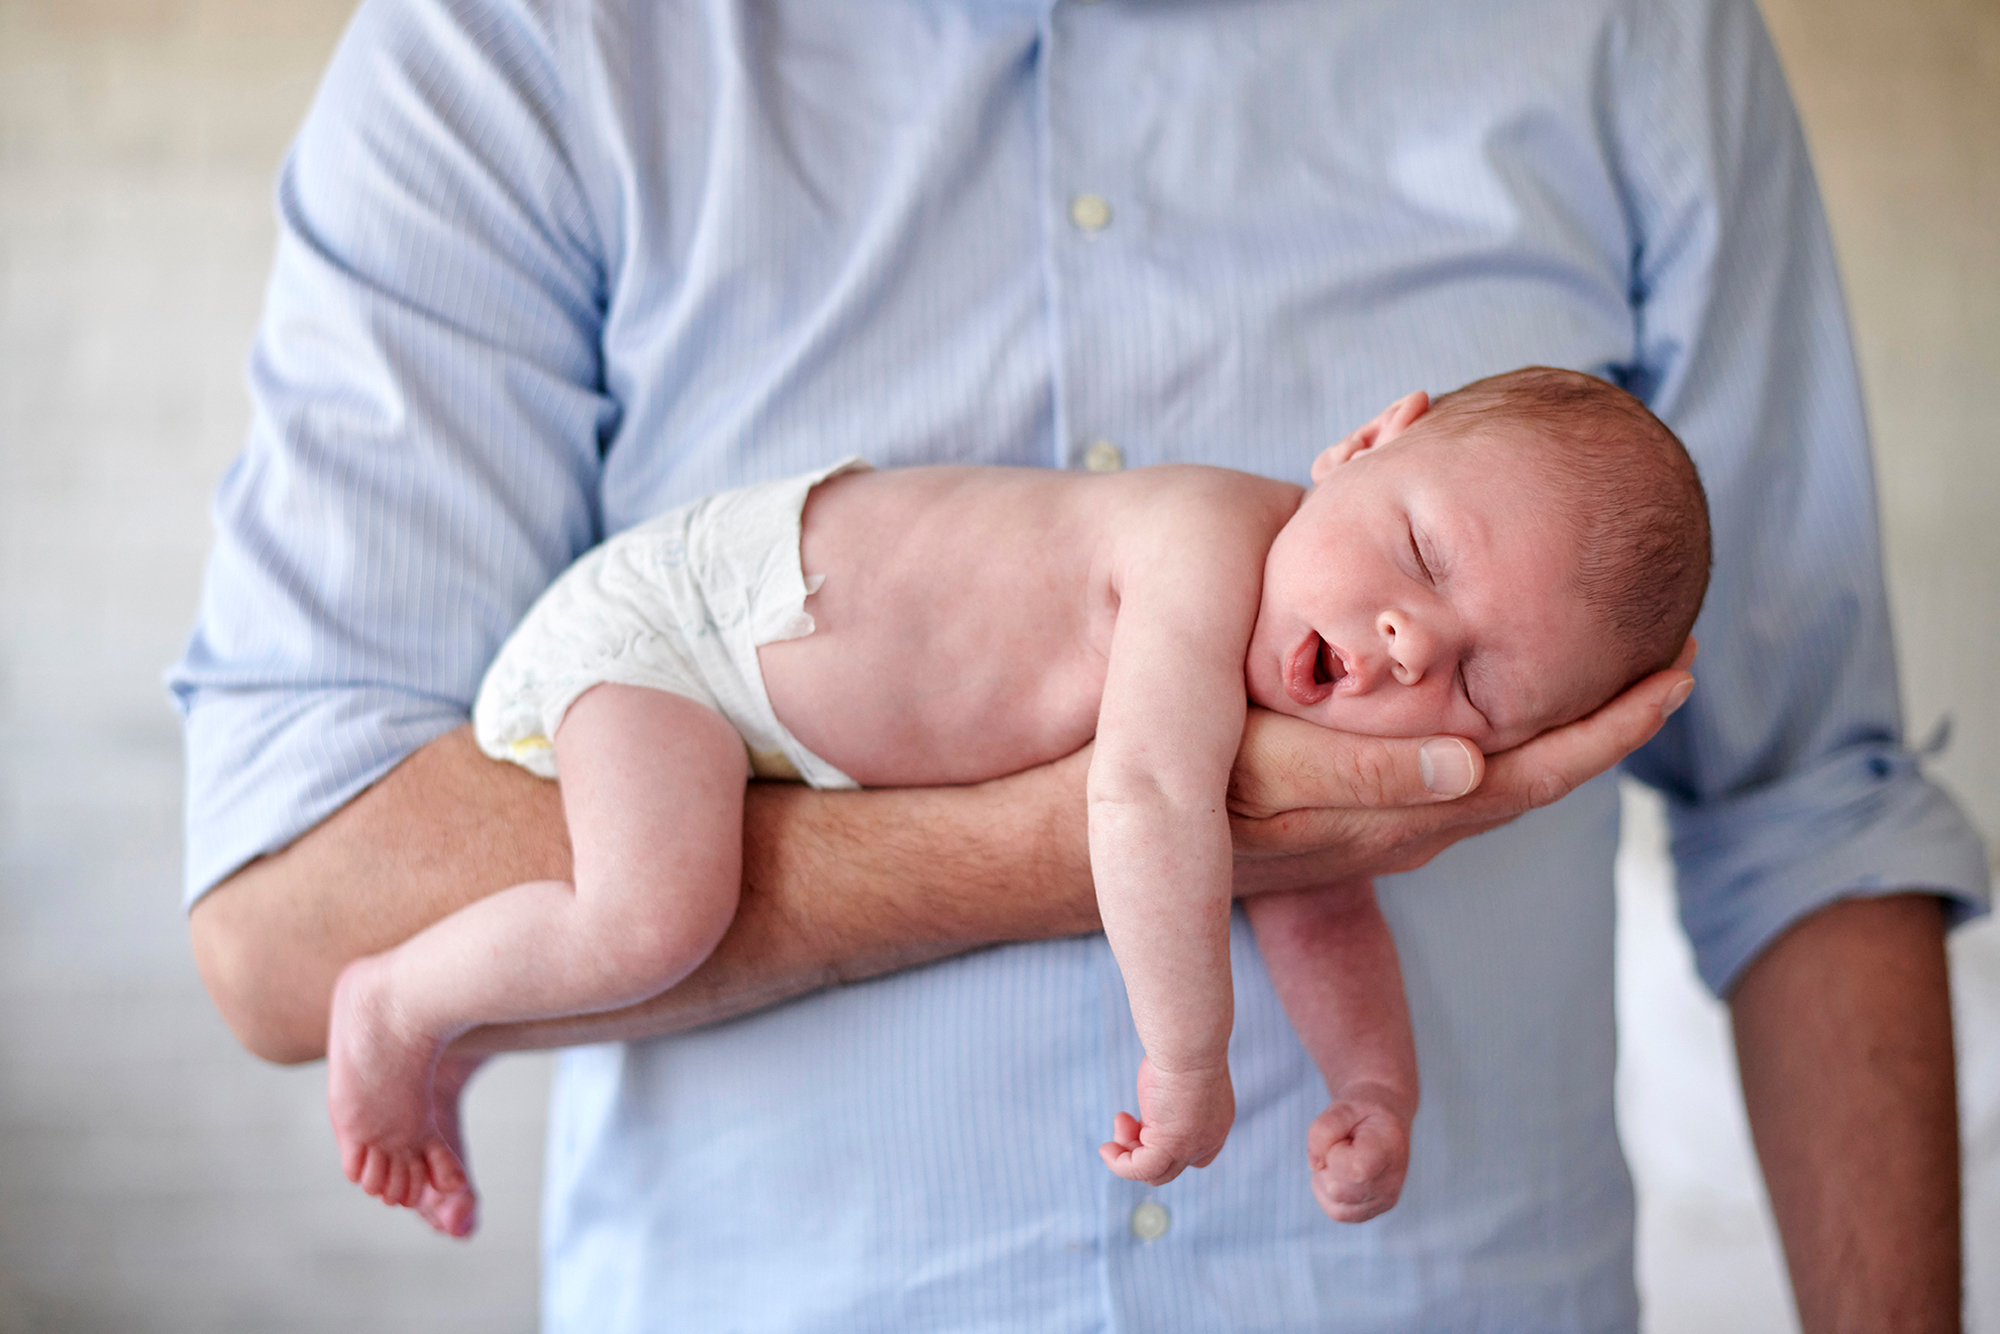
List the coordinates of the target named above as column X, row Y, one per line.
column 965, row 621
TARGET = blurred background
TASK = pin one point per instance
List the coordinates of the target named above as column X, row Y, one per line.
column 155, row 1178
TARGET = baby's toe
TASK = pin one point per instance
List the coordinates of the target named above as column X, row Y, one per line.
column 374, row 1171
column 441, row 1165
column 398, row 1188
column 451, row 1213
column 408, row 1177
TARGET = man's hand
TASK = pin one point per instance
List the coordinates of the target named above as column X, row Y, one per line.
column 1313, row 807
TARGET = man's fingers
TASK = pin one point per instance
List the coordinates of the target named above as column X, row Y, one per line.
column 1556, row 763
column 1288, row 764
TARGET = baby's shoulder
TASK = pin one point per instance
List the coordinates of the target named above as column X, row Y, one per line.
column 1188, row 497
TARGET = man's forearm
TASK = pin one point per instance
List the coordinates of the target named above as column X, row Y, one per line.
column 841, row 886
column 844, row 885
column 1843, row 1036
column 837, row 886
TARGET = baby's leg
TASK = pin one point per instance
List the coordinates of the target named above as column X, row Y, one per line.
column 652, row 788
column 1333, row 964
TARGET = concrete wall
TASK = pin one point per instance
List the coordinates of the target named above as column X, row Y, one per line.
column 152, row 1177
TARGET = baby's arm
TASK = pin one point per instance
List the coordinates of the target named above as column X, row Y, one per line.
column 1333, row 963
column 1167, row 731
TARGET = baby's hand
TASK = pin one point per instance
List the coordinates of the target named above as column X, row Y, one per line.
column 1359, row 1150
column 1185, row 1117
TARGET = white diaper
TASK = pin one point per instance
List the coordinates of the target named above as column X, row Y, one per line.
column 679, row 603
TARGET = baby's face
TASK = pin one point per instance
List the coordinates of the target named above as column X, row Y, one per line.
column 1422, row 588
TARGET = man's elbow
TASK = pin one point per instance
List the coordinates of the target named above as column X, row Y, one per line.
column 257, row 985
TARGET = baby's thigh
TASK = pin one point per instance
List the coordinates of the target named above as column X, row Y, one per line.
column 652, row 788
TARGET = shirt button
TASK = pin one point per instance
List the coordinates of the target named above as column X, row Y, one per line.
column 1103, row 456
column 1151, row 1220
column 1091, row 213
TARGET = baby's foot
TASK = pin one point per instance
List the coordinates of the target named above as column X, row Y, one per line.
column 454, row 1213
column 1359, row 1151
column 380, row 1094
column 1185, row 1119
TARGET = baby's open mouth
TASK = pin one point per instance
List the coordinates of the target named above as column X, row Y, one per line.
column 1312, row 670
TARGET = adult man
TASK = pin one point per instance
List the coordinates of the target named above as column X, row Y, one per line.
column 544, row 273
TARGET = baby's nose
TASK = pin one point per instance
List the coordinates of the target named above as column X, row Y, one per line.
column 1405, row 646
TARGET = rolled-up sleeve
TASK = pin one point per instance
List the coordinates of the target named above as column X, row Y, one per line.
column 1862, row 821
column 1787, row 780
column 428, row 412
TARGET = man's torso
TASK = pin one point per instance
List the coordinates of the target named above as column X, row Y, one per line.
column 730, row 242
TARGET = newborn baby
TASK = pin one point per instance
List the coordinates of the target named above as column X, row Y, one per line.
column 1491, row 566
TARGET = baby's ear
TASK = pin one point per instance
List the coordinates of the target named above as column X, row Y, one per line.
column 1389, row 423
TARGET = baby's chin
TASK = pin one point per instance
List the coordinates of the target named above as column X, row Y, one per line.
column 1277, row 699
column 1277, row 702
column 1265, row 691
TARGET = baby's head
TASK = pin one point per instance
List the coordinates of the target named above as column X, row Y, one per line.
column 1491, row 565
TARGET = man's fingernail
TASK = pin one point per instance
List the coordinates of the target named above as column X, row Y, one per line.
column 1446, row 765
column 1676, row 697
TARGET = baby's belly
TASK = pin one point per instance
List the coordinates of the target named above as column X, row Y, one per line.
column 934, row 717
column 961, row 629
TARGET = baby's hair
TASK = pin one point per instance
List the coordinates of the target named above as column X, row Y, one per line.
column 1627, row 488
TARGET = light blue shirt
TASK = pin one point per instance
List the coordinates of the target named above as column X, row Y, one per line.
column 546, row 269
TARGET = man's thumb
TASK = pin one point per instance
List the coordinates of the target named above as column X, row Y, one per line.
column 1450, row 766
column 1287, row 764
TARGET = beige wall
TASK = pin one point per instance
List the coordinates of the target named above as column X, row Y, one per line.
column 1901, row 104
